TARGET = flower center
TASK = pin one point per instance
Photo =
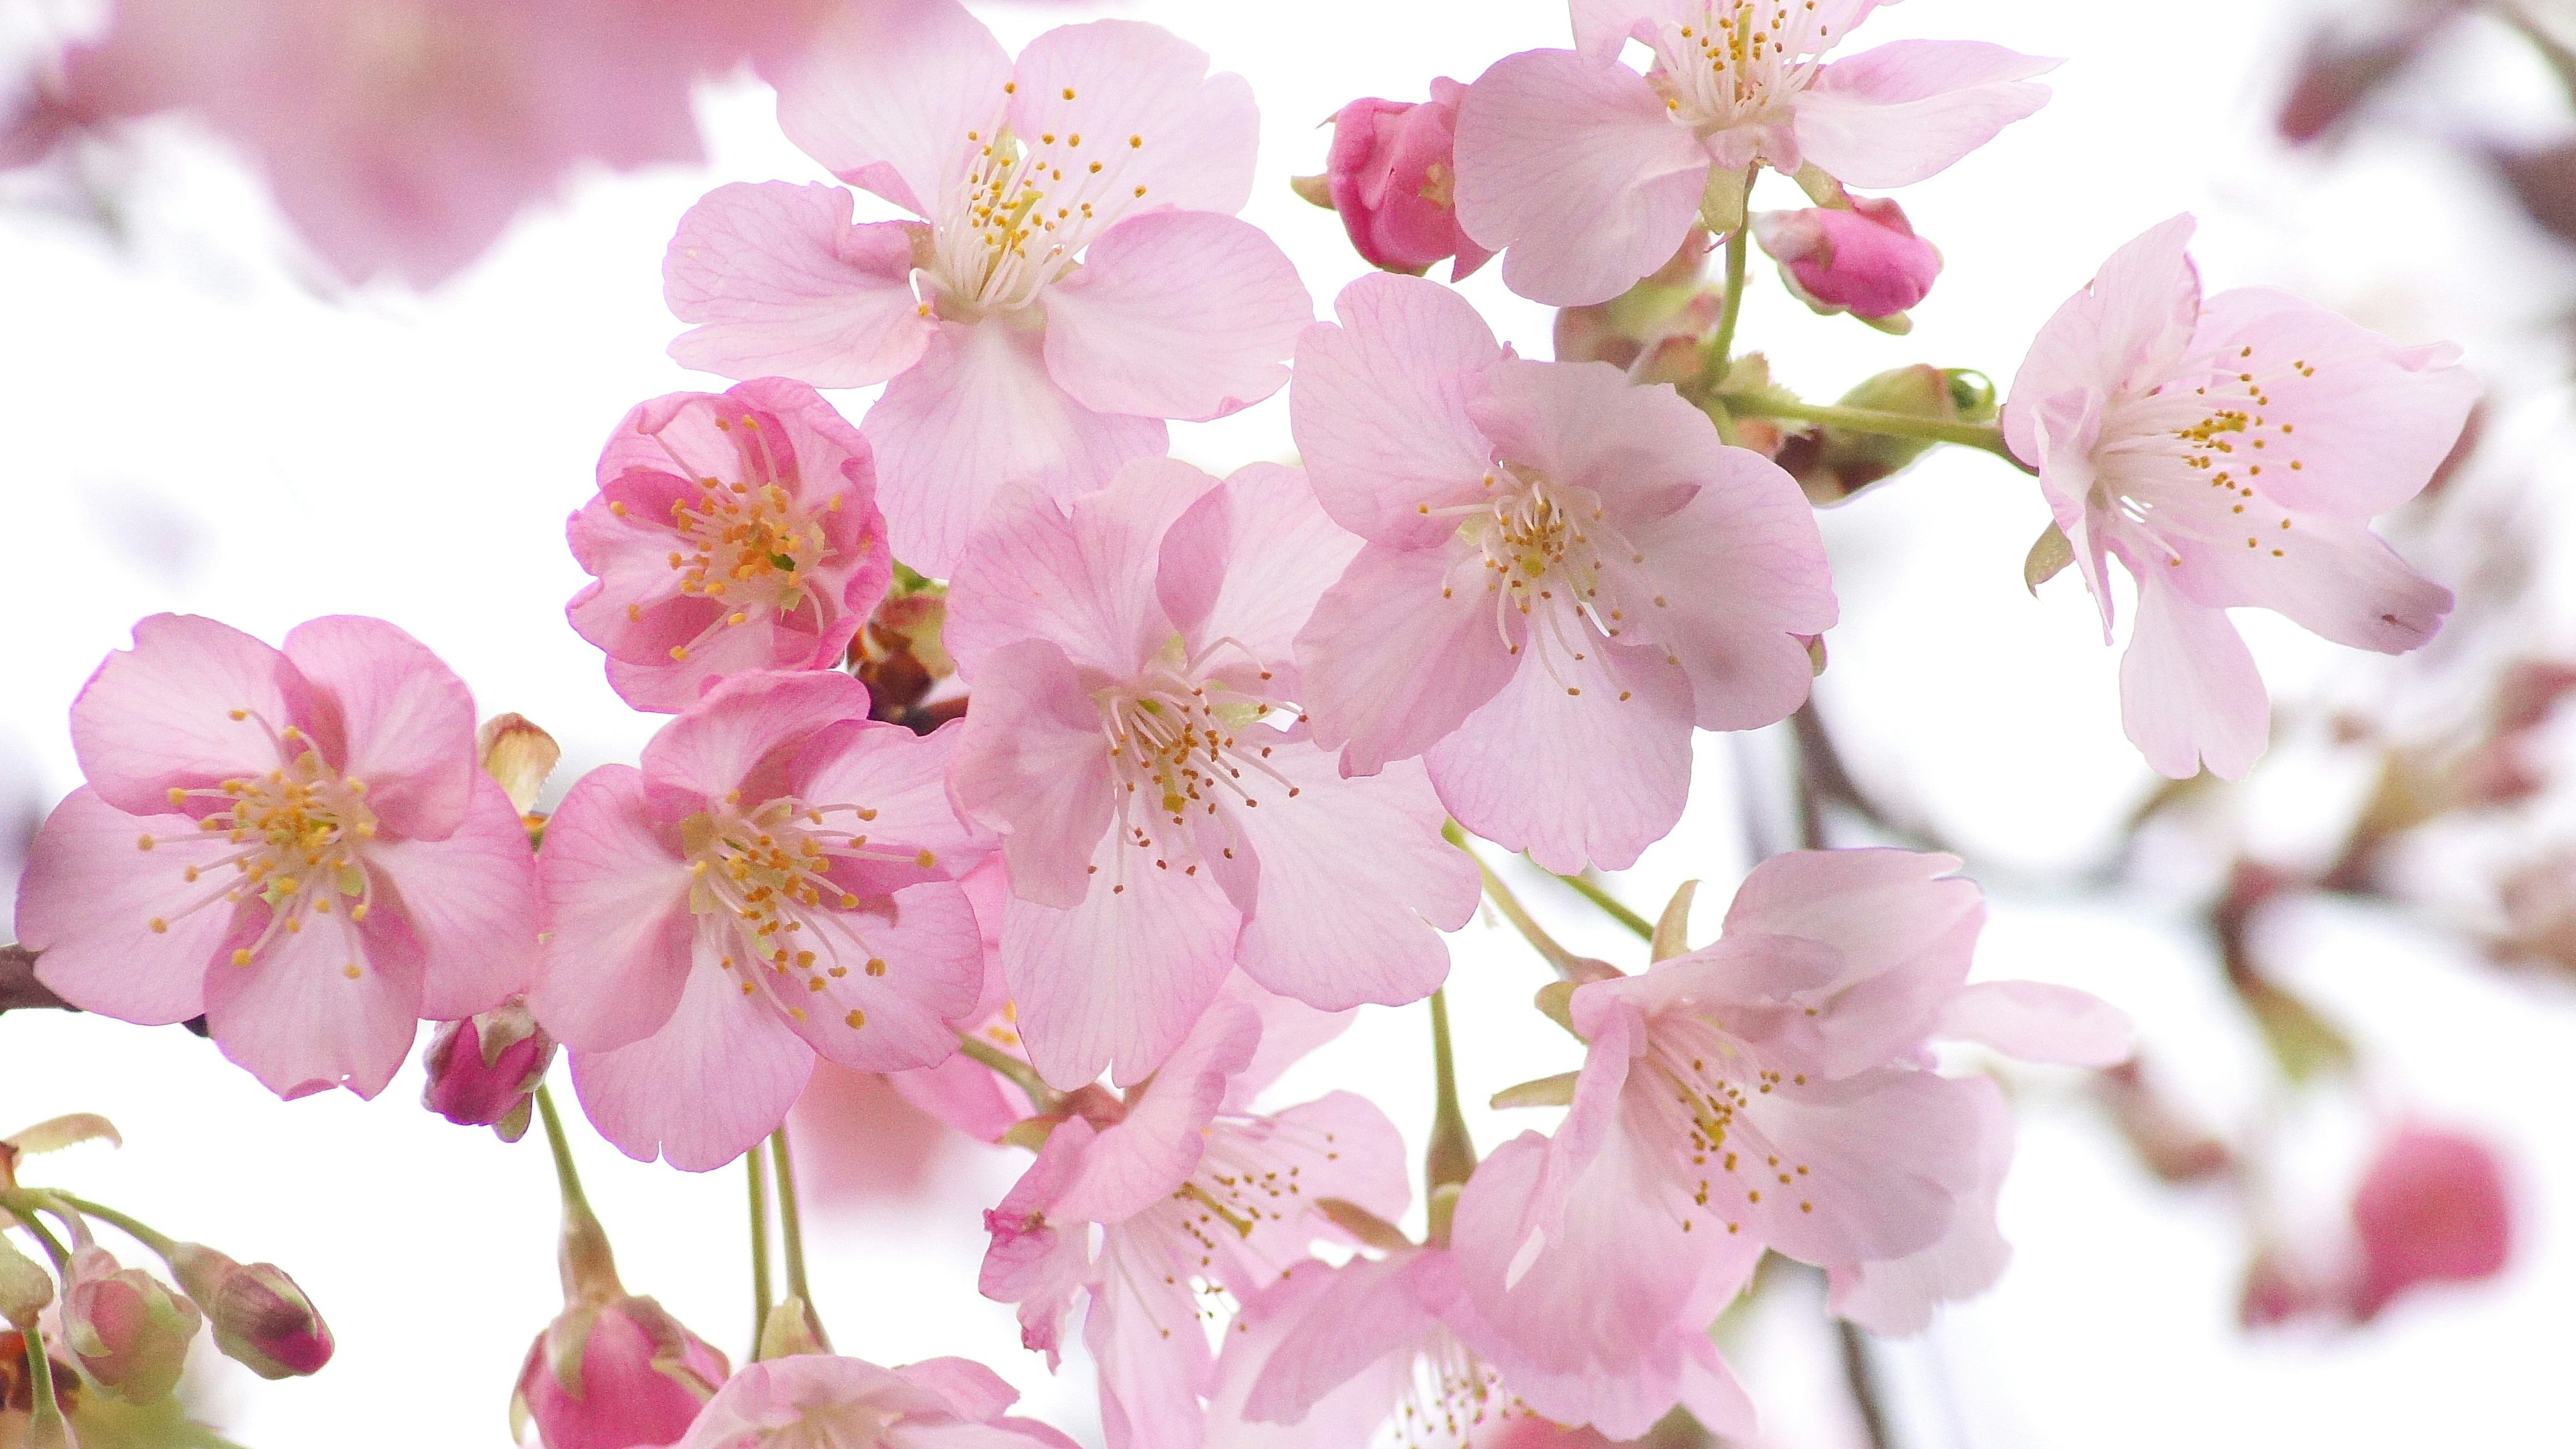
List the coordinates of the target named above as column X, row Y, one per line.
column 296, row 833
column 1022, row 213
column 1539, row 543
column 2186, row 461
column 1450, row 1395
column 1184, row 746
column 1738, row 62
column 760, row 877
column 1702, row 1089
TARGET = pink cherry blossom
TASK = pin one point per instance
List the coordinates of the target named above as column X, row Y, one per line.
column 2230, row 452
column 730, row 533
column 1078, row 274
column 1764, row 1092
column 2432, row 1209
column 1164, row 814
column 1391, row 177
column 1865, row 260
column 482, row 1071
column 816, row 1400
column 1193, row 1193
column 1592, row 174
column 774, row 883
column 129, row 1329
column 1563, row 575
column 295, row 844
column 616, row 1374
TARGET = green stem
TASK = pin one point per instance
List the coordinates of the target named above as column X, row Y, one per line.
column 40, row 1371
column 1870, row 420
column 566, row 1177
column 1010, row 1066
column 137, row 1231
column 791, row 1228
column 1722, row 346
column 1590, row 889
column 760, row 1294
column 1512, row 910
column 1452, row 1154
column 53, row 1246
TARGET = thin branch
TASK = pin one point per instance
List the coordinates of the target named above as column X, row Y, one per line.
column 1588, row 888
column 19, row 988
column 1862, row 1379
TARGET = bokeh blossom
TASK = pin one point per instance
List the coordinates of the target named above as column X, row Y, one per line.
column 816, row 1400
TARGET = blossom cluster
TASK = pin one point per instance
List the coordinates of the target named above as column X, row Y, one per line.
column 1214, row 743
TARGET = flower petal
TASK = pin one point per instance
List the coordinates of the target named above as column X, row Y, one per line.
column 2132, row 319
column 2189, row 691
column 743, row 735
column 1910, row 109
column 1379, row 406
column 1897, row 1296
column 1120, row 977
column 886, row 93
column 2037, row 1022
column 614, row 898
column 778, row 282
column 1147, row 1155
column 887, row 979
column 1903, row 928
column 316, row 1009
column 1359, row 1316
column 89, row 896
column 395, row 716
column 159, row 716
column 1397, row 656
column 1143, row 97
column 1180, row 314
column 1080, row 575
column 717, row 1077
column 469, row 902
column 1030, row 764
column 1245, row 567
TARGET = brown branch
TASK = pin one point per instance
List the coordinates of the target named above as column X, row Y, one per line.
column 19, row 987
column 1862, row 1378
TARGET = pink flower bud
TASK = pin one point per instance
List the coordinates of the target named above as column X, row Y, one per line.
column 483, row 1070
column 1866, row 261
column 615, row 1376
column 129, row 1330
column 261, row 1319
column 1391, row 177
column 2433, row 1209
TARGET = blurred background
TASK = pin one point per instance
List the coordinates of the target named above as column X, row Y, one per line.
column 2372, row 939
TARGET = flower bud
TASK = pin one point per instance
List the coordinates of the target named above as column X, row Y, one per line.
column 1866, row 261
column 1392, row 179
column 615, row 1375
column 483, row 1070
column 1832, row 464
column 261, row 1319
column 129, row 1330
column 2432, row 1209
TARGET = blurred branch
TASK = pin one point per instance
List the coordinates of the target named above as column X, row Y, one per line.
column 19, row 988
column 1862, row 1379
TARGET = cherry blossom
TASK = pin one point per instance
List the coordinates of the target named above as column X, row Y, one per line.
column 2229, row 452
column 730, row 533
column 295, row 844
column 617, row 1373
column 1392, row 178
column 1078, row 274
column 1865, row 259
column 774, row 883
column 1563, row 575
column 1592, row 174
column 1164, row 815
column 816, row 1400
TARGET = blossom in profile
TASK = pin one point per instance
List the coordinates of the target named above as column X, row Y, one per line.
column 129, row 1329
column 1563, row 575
column 1137, row 742
column 730, row 533
column 1392, row 178
column 2230, row 451
column 615, row 1372
column 1863, row 259
column 294, row 843
column 776, row 882
column 1587, row 174
column 1077, row 275
column 814, row 1399
column 484, row 1071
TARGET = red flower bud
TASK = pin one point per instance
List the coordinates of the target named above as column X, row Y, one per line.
column 1392, row 179
column 261, row 1319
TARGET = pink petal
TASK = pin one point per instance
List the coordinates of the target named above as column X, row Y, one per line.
column 1151, row 1377
column 1080, row 575
column 717, row 1077
column 395, row 716
column 1147, row 1155
column 1120, row 977
column 778, row 281
column 88, row 899
column 1144, row 97
column 315, row 1010
column 1879, row 1163
column 1910, row 109
column 1349, row 1150
column 1356, row 884
column 2065, row 430
column 1396, row 656
column 1029, row 1261
column 965, row 1094
column 1280, row 1319
column 973, row 1391
column 2189, row 691
column 1575, row 166
column 469, row 902
column 2333, row 577
column 1903, row 928
column 1583, row 758
column 884, row 95
column 2132, row 319
column 909, row 968
column 1290, row 1031
column 614, row 899
column 1179, row 314
column 158, row 716
column 1247, row 564
column 1897, row 1296
column 1360, row 1315
column 1379, row 406
column 749, row 724
column 2040, row 1023
column 980, row 411
column 903, row 778
column 1030, row 763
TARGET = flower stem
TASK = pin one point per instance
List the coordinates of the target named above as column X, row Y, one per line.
column 566, row 1177
column 1588, row 888
column 139, row 1232
column 588, row 1265
column 36, row 1228
column 1452, row 1154
column 1722, row 346
column 1985, row 436
column 46, row 1413
column 760, row 1292
column 1512, row 910
column 1862, row 1379
column 791, row 1227
column 1020, row 1072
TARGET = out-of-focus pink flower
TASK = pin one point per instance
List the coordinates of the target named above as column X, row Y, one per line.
column 484, row 1070
column 2432, row 1209
column 729, row 534
column 297, row 845
column 1591, row 174
column 2230, row 452
column 1136, row 738
column 859, row 1140
column 1865, row 260
column 130, row 1331
column 1564, row 574
column 1078, row 275
column 1391, row 177
column 402, row 135
column 616, row 1374
column 1189, row 1187
column 813, row 1399
column 775, row 882
column 260, row 1318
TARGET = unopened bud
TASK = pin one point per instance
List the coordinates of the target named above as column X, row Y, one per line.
column 25, row 1287
column 483, row 1070
column 261, row 1319
column 129, row 1329
column 1832, row 464
column 518, row 756
column 1865, row 260
column 615, row 1375
column 1392, row 179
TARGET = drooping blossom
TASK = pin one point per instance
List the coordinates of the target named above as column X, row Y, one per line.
column 2230, row 452
column 775, row 882
column 1766, row 1092
column 615, row 1373
column 730, row 533
column 1194, row 1194
column 1591, row 174
column 1164, row 814
column 1864, row 259
column 1077, row 277
column 295, row 844
column 402, row 135
column 806, row 1401
column 2432, row 1209
column 1564, row 574
column 1392, row 179
column 483, row 1071
column 129, row 1329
